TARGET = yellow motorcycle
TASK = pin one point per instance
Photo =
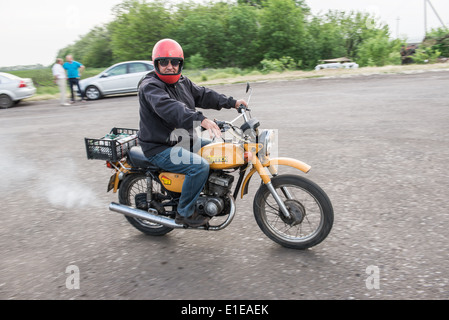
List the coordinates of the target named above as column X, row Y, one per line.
column 290, row 209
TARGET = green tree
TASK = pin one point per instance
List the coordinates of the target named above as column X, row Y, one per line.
column 201, row 29
column 254, row 3
column 338, row 33
column 242, row 37
column 379, row 51
column 93, row 49
column 283, row 34
column 99, row 51
column 261, row 3
column 325, row 40
column 282, row 30
column 354, row 28
column 437, row 40
column 137, row 27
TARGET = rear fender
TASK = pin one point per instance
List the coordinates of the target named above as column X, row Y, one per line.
column 121, row 169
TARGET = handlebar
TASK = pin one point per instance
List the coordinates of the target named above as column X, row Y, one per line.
column 224, row 125
column 242, row 108
column 219, row 123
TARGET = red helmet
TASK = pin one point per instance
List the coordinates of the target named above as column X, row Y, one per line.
column 168, row 49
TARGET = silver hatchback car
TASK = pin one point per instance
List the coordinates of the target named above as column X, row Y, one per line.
column 13, row 89
column 122, row 77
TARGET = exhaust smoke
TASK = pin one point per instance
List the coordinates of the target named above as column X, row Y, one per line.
column 60, row 187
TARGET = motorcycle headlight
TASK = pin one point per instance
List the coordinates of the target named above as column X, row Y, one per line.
column 268, row 139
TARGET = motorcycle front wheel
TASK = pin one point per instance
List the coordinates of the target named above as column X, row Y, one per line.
column 131, row 187
column 311, row 212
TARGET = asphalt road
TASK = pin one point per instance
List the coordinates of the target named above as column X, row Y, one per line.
column 378, row 145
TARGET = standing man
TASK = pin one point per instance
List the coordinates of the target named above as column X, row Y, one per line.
column 74, row 70
column 60, row 79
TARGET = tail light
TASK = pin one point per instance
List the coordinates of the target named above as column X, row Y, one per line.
column 109, row 165
column 22, row 84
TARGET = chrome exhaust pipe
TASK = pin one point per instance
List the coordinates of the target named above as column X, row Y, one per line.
column 152, row 216
column 141, row 214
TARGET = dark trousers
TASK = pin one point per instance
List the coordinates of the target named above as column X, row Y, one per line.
column 72, row 82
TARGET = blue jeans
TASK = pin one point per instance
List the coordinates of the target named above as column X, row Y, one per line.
column 196, row 169
column 72, row 82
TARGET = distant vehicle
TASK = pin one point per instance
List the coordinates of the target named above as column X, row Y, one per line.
column 13, row 89
column 122, row 77
column 339, row 63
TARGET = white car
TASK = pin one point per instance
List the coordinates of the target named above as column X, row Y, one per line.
column 13, row 89
column 122, row 77
column 345, row 65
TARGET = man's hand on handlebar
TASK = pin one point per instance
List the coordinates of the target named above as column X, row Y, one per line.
column 239, row 103
column 212, row 127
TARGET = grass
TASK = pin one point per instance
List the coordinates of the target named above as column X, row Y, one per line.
column 47, row 89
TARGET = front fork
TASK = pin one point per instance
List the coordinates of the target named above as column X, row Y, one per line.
column 254, row 148
column 278, row 199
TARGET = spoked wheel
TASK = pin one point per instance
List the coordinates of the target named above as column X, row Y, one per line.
column 132, row 192
column 311, row 214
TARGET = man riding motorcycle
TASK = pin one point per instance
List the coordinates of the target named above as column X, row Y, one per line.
column 168, row 101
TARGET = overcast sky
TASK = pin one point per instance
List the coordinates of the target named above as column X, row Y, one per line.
column 32, row 31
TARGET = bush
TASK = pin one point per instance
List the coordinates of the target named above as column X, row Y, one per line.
column 426, row 54
column 438, row 39
column 196, row 62
column 379, row 51
column 279, row 65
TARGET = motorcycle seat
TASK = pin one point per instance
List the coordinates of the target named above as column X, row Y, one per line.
column 138, row 159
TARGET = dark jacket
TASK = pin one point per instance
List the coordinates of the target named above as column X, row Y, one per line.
column 164, row 108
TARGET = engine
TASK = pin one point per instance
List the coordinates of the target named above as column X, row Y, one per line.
column 209, row 206
column 219, row 184
column 212, row 203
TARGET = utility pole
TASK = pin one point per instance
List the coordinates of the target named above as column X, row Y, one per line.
column 425, row 18
column 436, row 13
column 425, row 15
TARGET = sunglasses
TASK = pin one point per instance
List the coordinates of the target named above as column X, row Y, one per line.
column 165, row 62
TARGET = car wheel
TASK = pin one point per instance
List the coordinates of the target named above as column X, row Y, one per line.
column 92, row 93
column 5, row 101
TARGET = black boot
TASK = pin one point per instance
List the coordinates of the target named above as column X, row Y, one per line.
column 195, row 220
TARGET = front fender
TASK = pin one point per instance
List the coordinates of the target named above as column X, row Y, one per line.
column 276, row 161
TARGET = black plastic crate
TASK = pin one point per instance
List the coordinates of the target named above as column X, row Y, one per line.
column 112, row 146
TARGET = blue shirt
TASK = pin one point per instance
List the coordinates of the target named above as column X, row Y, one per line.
column 72, row 69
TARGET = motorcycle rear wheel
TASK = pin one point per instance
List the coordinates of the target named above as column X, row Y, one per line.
column 306, row 201
column 131, row 186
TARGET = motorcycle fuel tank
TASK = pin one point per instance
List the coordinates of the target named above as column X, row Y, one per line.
column 221, row 155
